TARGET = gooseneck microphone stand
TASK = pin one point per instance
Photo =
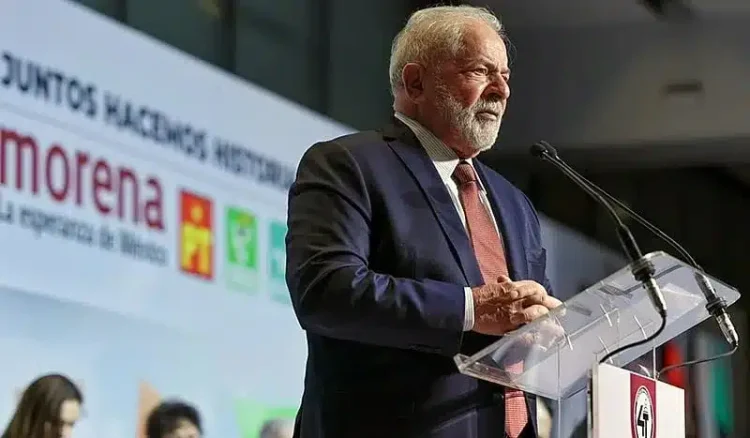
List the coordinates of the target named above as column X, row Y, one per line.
column 642, row 268
column 715, row 305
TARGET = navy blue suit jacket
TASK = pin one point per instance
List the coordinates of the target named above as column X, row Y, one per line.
column 377, row 262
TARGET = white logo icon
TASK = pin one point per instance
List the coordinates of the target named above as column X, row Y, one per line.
column 643, row 414
column 241, row 237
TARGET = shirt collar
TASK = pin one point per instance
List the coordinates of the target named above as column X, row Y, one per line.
column 443, row 157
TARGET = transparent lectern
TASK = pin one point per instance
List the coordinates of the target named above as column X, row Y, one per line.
column 561, row 350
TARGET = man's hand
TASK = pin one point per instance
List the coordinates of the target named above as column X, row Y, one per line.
column 503, row 306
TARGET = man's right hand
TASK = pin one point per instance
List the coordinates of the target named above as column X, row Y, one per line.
column 504, row 306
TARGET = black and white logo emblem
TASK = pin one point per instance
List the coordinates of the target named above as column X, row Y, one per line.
column 643, row 414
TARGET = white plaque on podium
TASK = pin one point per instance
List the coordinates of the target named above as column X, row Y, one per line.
column 625, row 404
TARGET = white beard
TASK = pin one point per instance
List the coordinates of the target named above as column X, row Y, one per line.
column 478, row 132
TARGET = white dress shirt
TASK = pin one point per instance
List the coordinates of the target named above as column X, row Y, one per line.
column 445, row 161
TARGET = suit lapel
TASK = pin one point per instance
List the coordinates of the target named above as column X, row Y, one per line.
column 510, row 224
column 406, row 146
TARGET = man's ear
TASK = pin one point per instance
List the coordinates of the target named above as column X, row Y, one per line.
column 413, row 77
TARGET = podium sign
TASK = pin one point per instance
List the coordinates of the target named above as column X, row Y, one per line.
column 628, row 405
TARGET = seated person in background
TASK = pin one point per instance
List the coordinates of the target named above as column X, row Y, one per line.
column 174, row 419
column 49, row 407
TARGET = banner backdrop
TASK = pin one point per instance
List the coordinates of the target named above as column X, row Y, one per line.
column 142, row 221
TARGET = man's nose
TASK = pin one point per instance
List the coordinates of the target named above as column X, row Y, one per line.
column 498, row 89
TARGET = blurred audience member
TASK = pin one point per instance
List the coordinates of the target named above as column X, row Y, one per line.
column 148, row 399
column 277, row 428
column 543, row 419
column 174, row 419
column 48, row 408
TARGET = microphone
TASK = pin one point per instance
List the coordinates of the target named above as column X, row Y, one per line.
column 643, row 270
column 715, row 305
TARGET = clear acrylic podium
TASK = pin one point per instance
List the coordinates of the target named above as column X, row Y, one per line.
column 560, row 350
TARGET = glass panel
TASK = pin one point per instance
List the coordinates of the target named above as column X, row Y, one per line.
column 558, row 351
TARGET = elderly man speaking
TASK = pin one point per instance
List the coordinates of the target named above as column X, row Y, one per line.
column 404, row 250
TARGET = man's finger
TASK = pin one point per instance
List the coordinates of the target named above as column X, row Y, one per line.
column 529, row 284
column 504, row 279
column 528, row 314
column 534, row 299
column 521, row 293
column 531, row 288
column 551, row 302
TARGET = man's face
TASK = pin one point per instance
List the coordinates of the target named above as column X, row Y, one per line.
column 469, row 93
column 185, row 429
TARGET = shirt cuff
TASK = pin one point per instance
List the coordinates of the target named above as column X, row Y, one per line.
column 468, row 310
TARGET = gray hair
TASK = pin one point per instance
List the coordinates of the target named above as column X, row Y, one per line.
column 432, row 33
column 277, row 428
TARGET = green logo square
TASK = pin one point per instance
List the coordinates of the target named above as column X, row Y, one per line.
column 242, row 249
column 277, row 262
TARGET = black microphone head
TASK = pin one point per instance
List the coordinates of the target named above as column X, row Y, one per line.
column 542, row 149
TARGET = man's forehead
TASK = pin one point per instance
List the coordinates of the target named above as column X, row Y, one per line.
column 496, row 56
column 481, row 40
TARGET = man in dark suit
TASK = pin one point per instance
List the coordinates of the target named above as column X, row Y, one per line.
column 403, row 251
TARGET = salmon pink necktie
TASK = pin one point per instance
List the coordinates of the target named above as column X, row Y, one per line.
column 488, row 249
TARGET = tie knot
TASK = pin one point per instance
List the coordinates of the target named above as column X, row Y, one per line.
column 464, row 173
